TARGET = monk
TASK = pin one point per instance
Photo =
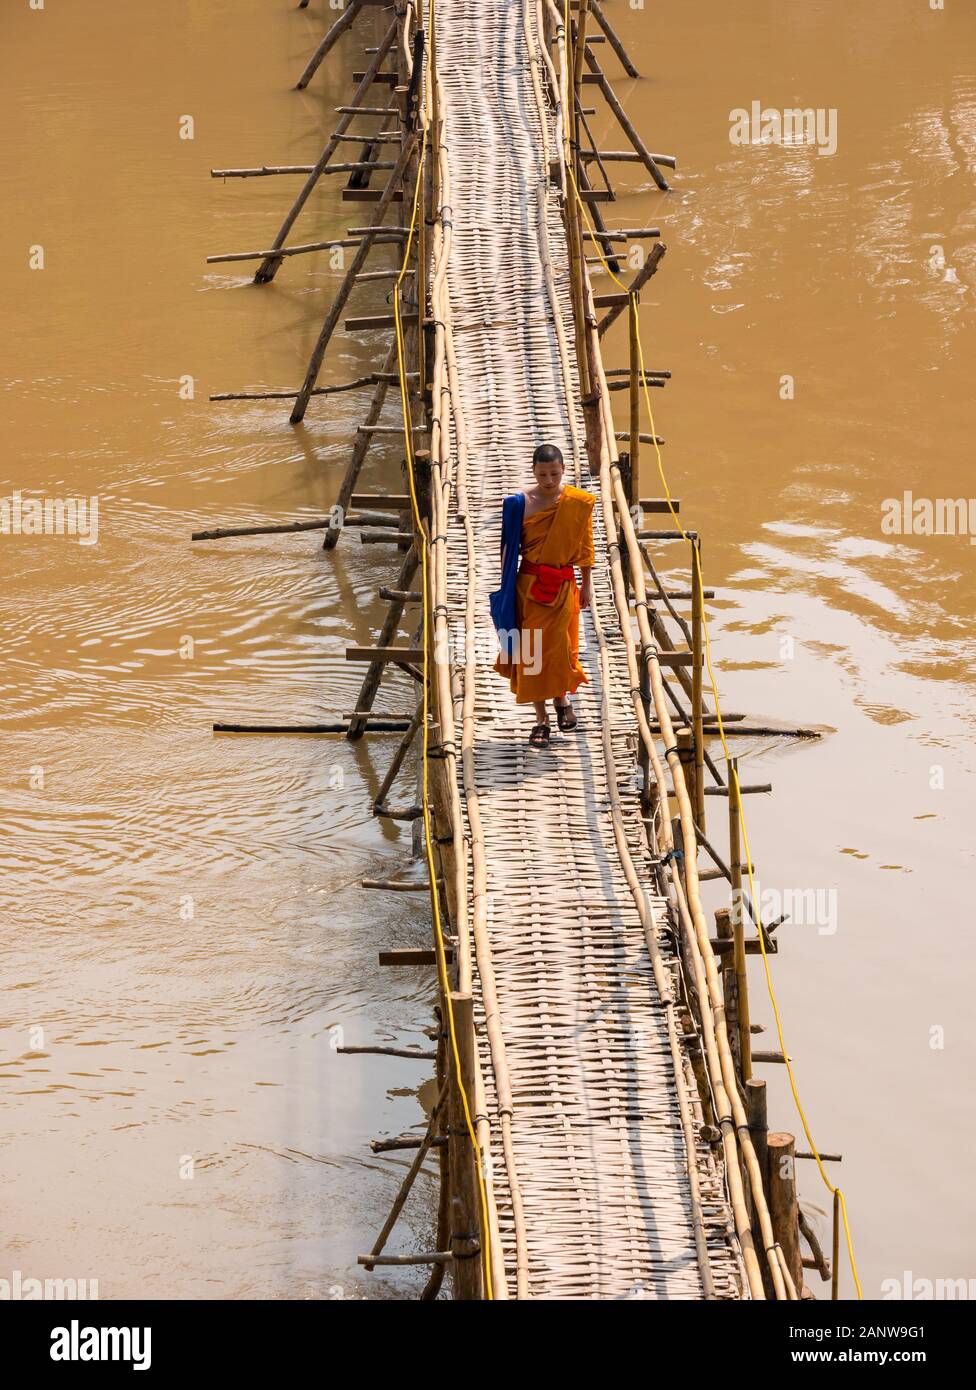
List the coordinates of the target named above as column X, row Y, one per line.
column 546, row 530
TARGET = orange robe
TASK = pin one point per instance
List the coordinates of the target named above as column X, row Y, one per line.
column 547, row 656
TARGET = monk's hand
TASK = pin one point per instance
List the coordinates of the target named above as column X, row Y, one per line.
column 584, row 593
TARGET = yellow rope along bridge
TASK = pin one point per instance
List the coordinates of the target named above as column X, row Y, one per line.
column 599, row 1129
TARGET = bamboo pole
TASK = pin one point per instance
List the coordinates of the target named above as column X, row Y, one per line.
column 635, row 406
column 404, row 1190
column 404, row 747
column 738, row 924
column 436, row 1277
column 649, row 268
column 465, row 1227
column 724, row 932
column 269, row 266
column 626, row 125
column 697, row 673
column 391, row 238
column 612, row 38
column 345, row 20
column 783, row 1207
column 371, row 681
column 360, row 448
column 338, row 304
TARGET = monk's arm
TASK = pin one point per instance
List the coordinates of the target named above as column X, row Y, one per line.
column 584, row 559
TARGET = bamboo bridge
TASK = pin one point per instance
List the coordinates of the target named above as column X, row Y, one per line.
column 599, row 1129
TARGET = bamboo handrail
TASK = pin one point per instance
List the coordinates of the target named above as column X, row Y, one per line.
column 733, row 1120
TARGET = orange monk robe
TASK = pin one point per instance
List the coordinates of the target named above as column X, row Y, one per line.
column 547, row 654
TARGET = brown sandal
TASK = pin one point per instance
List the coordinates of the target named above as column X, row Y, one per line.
column 566, row 717
column 539, row 737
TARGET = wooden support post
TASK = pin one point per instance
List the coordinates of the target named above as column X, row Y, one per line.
column 650, row 793
column 369, row 154
column 575, row 242
column 686, row 752
column 835, row 1251
column 697, row 675
column 398, row 757
column 649, row 267
column 738, row 924
column 612, row 38
column 344, row 21
column 635, row 390
column 418, row 830
column 601, row 234
column 433, row 1285
column 359, row 450
column 440, row 805
column 367, row 694
column 783, row 1206
column 465, row 1223
column 408, row 1181
column 626, row 125
column 756, row 1115
column 338, row 304
column 579, row 53
column 423, row 483
column 755, row 1090
column 269, row 266
column 724, row 932
column 623, row 463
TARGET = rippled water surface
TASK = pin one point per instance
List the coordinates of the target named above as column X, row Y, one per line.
column 183, row 923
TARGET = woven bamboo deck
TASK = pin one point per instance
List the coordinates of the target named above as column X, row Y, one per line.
column 598, row 1150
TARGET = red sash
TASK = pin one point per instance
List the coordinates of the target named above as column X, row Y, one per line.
column 549, row 579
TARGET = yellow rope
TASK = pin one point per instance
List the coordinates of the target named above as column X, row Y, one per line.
column 428, row 828
column 733, row 775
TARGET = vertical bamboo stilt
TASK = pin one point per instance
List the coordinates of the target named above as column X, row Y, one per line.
column 465, row 1226
column 436, row 1277
column 784, row 1210
column 755, row 1091
column 686, row 752
column 738, row 923
column 757, row 1119
column 697, row 675
column 725, row 932
column 574, row 226
column 650, row 792
column 623, row 463
column 635, row 390
column 417, row 827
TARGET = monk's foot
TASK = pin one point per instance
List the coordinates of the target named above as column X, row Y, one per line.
column 539, row 737
column 565, row 716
